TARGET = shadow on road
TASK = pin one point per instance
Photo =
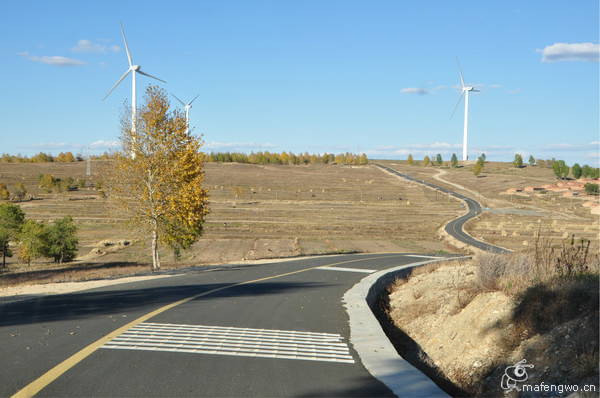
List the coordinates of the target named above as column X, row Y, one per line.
column 111, row 301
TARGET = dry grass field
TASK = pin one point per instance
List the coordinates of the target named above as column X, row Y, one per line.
column 257, row 212
column 260, row 212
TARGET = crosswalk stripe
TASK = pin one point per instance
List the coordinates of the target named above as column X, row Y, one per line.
column 234, row 341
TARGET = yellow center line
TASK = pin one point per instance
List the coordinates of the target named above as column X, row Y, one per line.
column 44, row 380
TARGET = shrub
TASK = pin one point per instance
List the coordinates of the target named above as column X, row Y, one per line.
column 47, row 181
column 4, row 194
column 591, row 188
column 20, row 190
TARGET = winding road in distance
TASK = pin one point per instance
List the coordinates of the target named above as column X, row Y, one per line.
column 455, row 227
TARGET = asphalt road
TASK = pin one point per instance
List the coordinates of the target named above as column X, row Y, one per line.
column 455, row 227
column 276, row 329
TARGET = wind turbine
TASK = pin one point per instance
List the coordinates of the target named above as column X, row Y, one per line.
column 187, row 110
column 465, row 89
column 134, row 69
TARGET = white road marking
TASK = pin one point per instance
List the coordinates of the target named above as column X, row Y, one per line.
column 219, row 340
column 418, row 256
column 365, row 271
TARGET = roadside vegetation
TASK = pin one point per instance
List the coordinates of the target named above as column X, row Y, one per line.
column 31, row 239
column 541, row 305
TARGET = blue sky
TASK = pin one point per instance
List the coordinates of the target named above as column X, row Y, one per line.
column 378, row 77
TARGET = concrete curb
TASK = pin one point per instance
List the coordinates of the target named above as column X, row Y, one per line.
column 376, row 352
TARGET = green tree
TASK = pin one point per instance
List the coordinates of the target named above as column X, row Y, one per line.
column 454, row 160
column 61, row 240
column 438, row 159
column 410, row 159
column 11, row 221
column 483, row 157
column 426, row 160
column 586, row 171
column 518, row 161
column 576, row 170
column 159, row 190
column 32, row 241
column 560, row 168
column 531, row 160
column 477, row 169
column 481, row 161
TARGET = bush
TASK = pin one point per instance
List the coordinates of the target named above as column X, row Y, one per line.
column 505, row 271
column 4, row 194
column 20, row 191
column 591, row 188
column 47, row 182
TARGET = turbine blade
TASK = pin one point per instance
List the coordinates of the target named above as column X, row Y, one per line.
column 180, row 101
column 459, row 98
column 145, row 74
column 120, row 80
column 476, row 91
column 193, row 100
column 460, row 71
column 126, row 46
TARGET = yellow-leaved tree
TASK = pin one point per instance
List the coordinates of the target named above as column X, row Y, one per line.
column 155, row 181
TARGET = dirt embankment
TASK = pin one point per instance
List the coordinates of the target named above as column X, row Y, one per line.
column 470, row 337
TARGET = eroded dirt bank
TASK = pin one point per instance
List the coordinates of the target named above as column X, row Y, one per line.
column 469, row 336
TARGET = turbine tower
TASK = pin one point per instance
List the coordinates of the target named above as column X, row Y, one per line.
column 465, row 89
column 187, row 110
column 134, row 69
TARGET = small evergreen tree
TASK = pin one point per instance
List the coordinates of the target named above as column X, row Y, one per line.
column 438, row 159
column 454, row 160
column 531, row 160
column 410, row 159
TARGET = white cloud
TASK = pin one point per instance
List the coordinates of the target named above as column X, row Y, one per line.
column 236, row 146
column 558, row 52
column 566, row 147
column 415, row 90
column 102, row 144
column 50, row 145
column 54, row 60
column 86, row 46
